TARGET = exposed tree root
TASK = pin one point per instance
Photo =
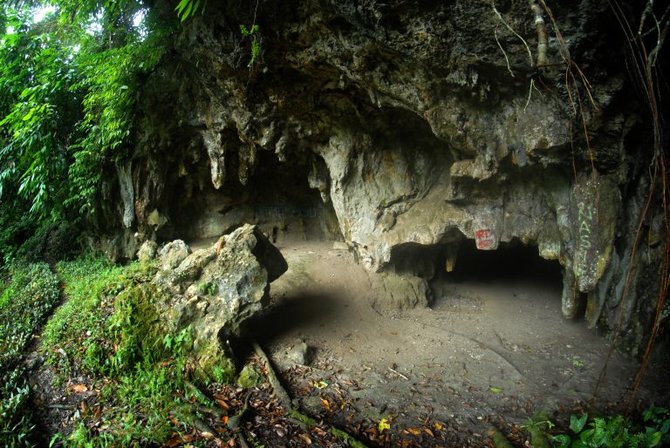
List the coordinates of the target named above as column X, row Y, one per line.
column 295, row 414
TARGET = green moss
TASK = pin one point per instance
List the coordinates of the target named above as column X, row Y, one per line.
column 117, row 328
column 136, row 328
column 207, row 288
column 212, row 364
column 249, row 377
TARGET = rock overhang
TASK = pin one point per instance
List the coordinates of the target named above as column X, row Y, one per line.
column 403, row 144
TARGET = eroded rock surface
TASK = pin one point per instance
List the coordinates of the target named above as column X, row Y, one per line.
column 405, row 128
column 214, row 290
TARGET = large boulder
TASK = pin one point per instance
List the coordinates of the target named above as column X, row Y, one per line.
column 214, row 290
column 173, row 253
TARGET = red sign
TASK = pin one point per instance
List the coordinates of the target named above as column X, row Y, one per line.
column 485, row 239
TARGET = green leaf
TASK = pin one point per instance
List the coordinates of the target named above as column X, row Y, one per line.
column 563, row 440
column 188, row 8
column 180, row 7
column 577, row 423
column 187, row 13
column 579, row 444
column 29, row 115
column 587, row 435
column 653, row 438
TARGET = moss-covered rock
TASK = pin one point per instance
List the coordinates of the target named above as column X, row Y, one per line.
column 249, row 377
column 213, row 291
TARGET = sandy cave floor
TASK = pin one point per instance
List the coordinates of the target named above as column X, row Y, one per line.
column 492, row 349
column 488, row 349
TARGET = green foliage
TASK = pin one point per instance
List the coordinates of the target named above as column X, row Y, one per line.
column 30, row 296
column 14, row 230
column 68, row 87
column 81, row 328
column 180, row 343
column 15, row 424
column 538, row 428
column 577, row 424
column 110, row 79
column 36, row 115
column 27, row 296
column 207, row 288
column 110, row 329
column 617, row 431
column 189, row 8
column 253, row 34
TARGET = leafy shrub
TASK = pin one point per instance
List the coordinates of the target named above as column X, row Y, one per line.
column 14, row 230
column 78, row 328
column 27, row 297
column 617, row 431
column 110, row 329
column 67, row 104
column 51, row 242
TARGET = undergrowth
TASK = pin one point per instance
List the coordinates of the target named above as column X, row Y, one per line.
column 617, row 431
column 28, row 292
column 649, row 430
column 109, row 329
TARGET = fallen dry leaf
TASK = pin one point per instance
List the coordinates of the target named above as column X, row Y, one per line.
column 78, row 388
column 175, row 440
column 319, row 431
column 305, row 438
column 413, row 431
column 179, row 440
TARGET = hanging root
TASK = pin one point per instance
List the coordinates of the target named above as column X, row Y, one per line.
column 509, row 69
column 541, row 34
column 531, row 87
column 502, row 20
column 643, row 64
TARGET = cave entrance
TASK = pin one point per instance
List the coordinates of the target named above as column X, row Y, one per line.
column 276, row 196
column 511, row 261
column 514, row 276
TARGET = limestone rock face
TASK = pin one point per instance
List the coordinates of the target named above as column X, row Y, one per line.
column 173, row 253
column 397, row 126
column 148, row 251
column 214, row 290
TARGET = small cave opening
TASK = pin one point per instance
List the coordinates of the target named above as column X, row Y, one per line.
column 277, row 197
column 513, row 274
column 511, row 261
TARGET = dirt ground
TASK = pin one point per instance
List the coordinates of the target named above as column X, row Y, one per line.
column 493, row 346
column 492, row 349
